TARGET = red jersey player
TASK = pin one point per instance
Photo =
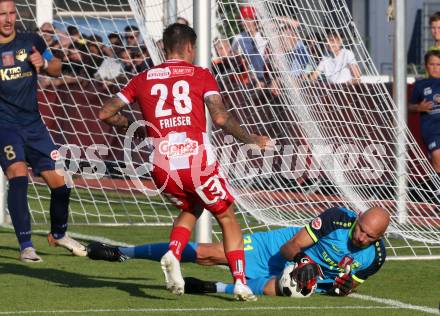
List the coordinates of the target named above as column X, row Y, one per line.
column 172, row 96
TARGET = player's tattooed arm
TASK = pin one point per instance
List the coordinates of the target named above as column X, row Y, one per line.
column 229, row 124
column 225, row 120
column 109, row 113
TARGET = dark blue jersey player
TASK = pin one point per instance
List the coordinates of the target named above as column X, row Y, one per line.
column 23, row 137
column 334, row 240
column 426, row 100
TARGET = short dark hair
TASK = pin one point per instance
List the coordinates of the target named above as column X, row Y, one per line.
column 432, row 52
column 72, row 30
column 434, row 18
column 113, row 35
column 176, row 36
column 131, row 28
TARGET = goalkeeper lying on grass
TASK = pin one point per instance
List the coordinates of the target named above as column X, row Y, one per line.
column 334, row 253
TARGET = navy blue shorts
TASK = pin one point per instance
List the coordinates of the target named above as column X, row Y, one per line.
column 433, row 143
column 29, row 144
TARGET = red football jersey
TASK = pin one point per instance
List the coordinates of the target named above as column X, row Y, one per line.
column 171, row 97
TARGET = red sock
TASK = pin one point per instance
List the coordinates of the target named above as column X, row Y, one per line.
column 179, row 238
column 236, row 264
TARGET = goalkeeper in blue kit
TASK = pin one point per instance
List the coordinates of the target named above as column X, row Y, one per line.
column 24, row 138
column 334, row 253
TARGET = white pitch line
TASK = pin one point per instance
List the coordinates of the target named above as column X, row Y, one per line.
column 205, row 309
column 396, row 303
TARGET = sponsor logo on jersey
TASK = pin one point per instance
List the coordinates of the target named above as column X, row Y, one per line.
column 185, row 149
column 21, row 55
column 345, row 261
column 317, row 223
column 177, row 71
column 427, row 91
column 158, row 73
column 55, row 155
column 8, row 59
column 13, row 73
column 169, row 72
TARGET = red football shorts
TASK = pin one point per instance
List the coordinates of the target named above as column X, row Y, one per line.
column 189, row 188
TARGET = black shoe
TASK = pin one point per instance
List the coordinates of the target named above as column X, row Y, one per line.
column 197, row 286
column 100, row 251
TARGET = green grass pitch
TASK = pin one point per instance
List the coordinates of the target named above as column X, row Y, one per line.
column 67, row 285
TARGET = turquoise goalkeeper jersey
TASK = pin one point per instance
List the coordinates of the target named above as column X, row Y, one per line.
column 331, row 232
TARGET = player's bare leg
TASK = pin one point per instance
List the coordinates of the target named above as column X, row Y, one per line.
column 170, row 262
column 211, row 254
column 233, row 245
column 59, row 205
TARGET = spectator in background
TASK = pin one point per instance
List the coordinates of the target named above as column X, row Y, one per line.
column 160, row 47
column 132, row 36
column 340, row 66
column 124, row 57
column 426, row 100
column 78, row 62
column 75, row 35
column 251, row 44
column 434, row 24
column 115, row 40
column 47, row 31
column 97, row 48
column 141, row 59
column 227, row 64
column 296, row 52
column 182, row 20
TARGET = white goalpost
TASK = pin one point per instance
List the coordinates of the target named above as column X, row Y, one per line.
column 337, row 144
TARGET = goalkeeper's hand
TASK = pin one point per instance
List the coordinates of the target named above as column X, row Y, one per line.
column 343, row 285
column 307, row 271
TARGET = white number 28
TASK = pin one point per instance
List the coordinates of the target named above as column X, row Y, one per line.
column 182, row 101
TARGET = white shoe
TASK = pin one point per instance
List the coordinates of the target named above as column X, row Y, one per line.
column 173, row 276
column 29, row 255
column 243, row 293
column 69, row 243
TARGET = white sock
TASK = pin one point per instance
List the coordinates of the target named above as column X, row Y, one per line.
column 221, row 287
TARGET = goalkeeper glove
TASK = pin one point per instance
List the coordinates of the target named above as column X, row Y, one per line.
column 343, row 285
column 306, row 272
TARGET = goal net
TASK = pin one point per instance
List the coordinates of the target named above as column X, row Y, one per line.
column 339, row 141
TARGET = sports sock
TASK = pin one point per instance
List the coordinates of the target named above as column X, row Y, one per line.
column 59, row 211
column 19, row 210
column 179, row 238
column 236, row 264
column 223, row 287
column 156, row 251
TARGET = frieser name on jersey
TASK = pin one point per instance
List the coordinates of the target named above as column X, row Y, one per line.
column 175, row 121
column 169, row 72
